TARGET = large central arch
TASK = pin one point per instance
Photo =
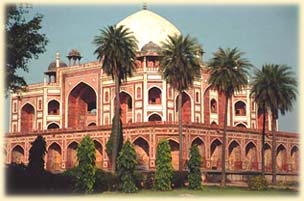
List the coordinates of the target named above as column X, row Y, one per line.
column 82, row 105
column 186, row 107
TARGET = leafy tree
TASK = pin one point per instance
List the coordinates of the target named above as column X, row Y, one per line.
column 86, row 169
column 126, row 163
column 164, row 168
column 109, row 145
column 23, row 43
column 36, row 156
column 180, row 64
column 116, row 48
column 194, row 166
column 274, row 88
column 228, row 74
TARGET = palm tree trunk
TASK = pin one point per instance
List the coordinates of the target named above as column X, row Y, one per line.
column 263, row 141
column 116, row 123
column 223, row 183
column 180, row 132
column 274, row 161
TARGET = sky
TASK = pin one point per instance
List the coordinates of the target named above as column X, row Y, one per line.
column 266, row 34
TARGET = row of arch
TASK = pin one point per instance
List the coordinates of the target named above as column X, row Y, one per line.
column 82, row 108
column 82, row 105
column 236, row 161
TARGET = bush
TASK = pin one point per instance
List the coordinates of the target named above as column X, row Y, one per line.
column 126, row 163
column 179, row 179
column 85, row 171
column 105, row 181
column 164, row 169
column 36, row 156
column 150, row 180
column 194, row 165
column 257, row 183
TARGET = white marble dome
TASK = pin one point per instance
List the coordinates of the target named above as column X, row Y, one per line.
column 148, row 26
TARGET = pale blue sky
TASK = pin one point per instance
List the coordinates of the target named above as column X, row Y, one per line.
column 267, row 34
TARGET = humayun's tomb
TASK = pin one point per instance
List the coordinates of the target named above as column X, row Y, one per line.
column 77, row 99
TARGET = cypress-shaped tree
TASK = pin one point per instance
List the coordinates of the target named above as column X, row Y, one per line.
column 86, row 169
column 36, row 156
column 194, row 164
column 126, row 163
column 164, row 168
column 109, row 145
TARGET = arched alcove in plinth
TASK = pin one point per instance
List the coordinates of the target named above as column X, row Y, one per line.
column 17, row 155
column 141, row 147
column 54, row 158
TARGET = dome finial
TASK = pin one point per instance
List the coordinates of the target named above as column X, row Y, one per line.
column 145, row 6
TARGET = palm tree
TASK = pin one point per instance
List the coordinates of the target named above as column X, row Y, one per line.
column 179, row 65
column 116, row 48
column 274, row 88
column 228, row 74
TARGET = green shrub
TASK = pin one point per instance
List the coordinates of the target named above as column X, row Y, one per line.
column 257, row 183
column 105, row 181
column 85, row 171
column 149, row 183
column 126, row 163
column 164, row 169
column 140, row 179
column 194, row 165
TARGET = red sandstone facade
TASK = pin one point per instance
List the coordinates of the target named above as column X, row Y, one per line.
column 78, row 99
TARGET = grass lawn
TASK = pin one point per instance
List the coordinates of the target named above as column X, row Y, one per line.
column 206, row 191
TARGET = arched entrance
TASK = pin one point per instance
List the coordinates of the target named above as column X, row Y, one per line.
column 154, row 117
column 186, row 107
column 54, row 158
column 281, row 158
column 98, row 154
column 27, row 118
column 17, row 155
column 251, row 160
column 295, row 156
column 82, row 106
column 234, row 156
column 201, row 147
column 72, row 160
column 216, row 154
column 125, row 107
column 174, row 154
column 141, row 147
